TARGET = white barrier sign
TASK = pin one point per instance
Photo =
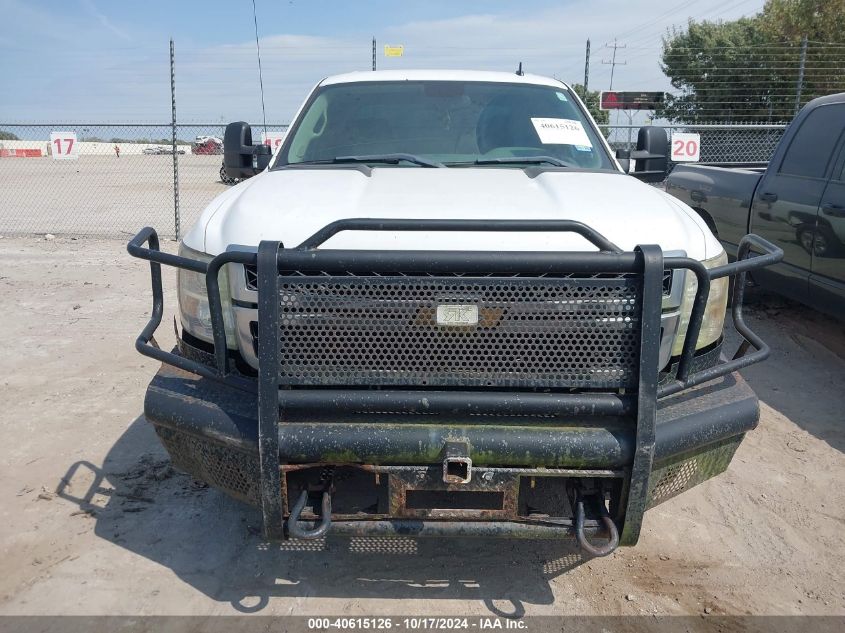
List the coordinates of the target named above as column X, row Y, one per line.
column 273, row 139
column 686, row 147
column 63, row 146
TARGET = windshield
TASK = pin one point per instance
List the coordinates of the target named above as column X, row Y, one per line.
column 454, row 123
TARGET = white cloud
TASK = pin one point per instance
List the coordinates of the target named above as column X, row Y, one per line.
column 549, row 42
column 104, row 21
column 221, row 82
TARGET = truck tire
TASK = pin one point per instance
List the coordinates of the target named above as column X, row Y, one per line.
column 225, row 178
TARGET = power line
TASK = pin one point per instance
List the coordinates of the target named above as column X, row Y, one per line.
column 731, row 5
column 651, row 22
column 260, row 76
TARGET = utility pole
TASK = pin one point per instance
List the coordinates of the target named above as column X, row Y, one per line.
column 374, row 53
column 587, row 69
column 613, row 63
column 800, row 85
column 176, row 221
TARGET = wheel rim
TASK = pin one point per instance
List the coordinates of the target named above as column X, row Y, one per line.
column 807, row 240
column 820, row 245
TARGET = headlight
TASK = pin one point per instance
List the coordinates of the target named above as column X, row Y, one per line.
column 714, row 312
column 193, row 300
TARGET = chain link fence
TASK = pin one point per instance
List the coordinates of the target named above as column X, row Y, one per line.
column 720, row 144
column 108, row 180
column 123, row 175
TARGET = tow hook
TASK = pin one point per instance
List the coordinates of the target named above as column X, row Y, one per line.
column 295, row 530
column 613, row 532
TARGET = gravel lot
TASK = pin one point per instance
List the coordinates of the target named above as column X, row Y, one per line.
column 103, row 195
column 95, row 522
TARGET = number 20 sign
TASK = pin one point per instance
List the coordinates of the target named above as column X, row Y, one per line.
column 63, row 145
column 686, row 147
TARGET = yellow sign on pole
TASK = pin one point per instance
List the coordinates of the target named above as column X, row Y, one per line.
column 393, row 51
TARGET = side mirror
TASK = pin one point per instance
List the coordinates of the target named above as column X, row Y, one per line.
column 242, row 159
column 623, row 157
column 651, row 155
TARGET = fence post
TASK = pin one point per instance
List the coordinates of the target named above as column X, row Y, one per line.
column 800, row 85
column 176, row 221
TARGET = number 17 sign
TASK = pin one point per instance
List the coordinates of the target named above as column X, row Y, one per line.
column 63, row 145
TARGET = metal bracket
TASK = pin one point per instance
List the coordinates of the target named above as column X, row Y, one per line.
column 652, row 262
column 268, row 392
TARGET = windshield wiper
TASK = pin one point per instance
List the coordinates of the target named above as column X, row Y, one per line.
column 521, row 160
column 388, row 159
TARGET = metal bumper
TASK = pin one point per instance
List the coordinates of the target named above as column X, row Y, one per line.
column 608, row 433
column 211, row 431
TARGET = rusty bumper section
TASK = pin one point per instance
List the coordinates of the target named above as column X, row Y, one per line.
column 389, row 479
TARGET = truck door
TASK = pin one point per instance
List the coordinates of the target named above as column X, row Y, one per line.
column 786, row 202
column 827, row 281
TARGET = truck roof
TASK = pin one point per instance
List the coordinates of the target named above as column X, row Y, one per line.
column 441, row 75
column 838, row 97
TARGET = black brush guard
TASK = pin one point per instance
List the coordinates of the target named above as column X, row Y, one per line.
column 301, row 388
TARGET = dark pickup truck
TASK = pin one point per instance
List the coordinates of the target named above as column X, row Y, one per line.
column 796, row 202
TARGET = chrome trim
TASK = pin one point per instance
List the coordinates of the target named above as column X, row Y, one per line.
column 237, row 285
column 678, row 280
column 243, row 333
column 669, row 323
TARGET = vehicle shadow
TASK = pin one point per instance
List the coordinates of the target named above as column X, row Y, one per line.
column 139, row 502
column 803, row 377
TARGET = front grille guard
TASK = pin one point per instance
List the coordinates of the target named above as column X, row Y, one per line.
column 272, row 258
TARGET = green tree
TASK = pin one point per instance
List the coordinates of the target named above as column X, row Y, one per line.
column 8, row 136
column 748, row 69
column 591, row 99
column 823, row 24
column 720, row 70
column 790, row 20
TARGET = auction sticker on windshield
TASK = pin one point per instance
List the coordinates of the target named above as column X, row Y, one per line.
column 561, row 132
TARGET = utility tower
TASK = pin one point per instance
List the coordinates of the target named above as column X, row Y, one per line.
column 613, row 63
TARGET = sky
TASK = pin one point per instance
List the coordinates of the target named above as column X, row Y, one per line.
column 99, row 61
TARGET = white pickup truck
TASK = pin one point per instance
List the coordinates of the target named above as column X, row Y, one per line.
column 443, row 307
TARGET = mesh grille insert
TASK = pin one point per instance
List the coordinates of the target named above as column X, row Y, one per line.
column 674, row 480
column 524, row 332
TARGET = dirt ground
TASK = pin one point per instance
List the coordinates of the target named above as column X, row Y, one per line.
column 94, row 521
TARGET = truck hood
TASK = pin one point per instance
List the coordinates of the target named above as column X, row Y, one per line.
column 289, row 205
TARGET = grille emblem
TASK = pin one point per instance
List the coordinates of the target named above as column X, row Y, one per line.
column 457, row 315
